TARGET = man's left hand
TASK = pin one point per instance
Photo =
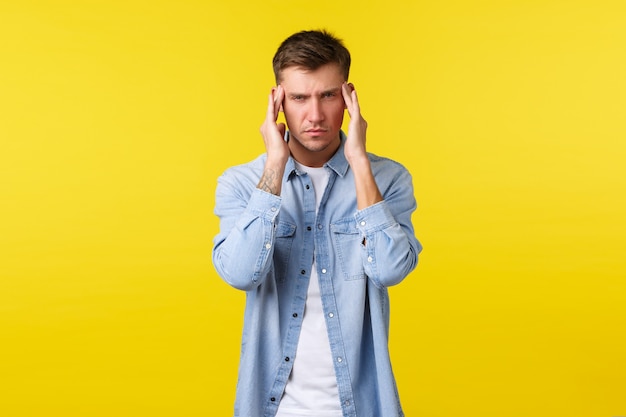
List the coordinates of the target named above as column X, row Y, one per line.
column 355, row 142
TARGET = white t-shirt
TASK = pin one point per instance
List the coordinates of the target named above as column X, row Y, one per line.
column 311, row 390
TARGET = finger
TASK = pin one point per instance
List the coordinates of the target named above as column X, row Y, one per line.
column 345, row 92
column 281, row 129
column 347, row 97
column 355, row 100
column 351, row 99
column 279, row 95
column 269, row 116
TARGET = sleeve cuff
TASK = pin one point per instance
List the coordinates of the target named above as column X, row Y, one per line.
column 264, row 204
column 373, row 218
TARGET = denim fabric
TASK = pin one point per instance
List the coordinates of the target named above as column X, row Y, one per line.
column 265, row 247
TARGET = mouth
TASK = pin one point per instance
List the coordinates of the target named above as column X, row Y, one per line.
column 315, row 132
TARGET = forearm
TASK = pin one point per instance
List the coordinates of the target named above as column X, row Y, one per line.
column 367, row 192
column 276, row 147
column 271, row 180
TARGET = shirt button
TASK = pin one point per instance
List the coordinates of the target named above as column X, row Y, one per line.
column 363, row 223
column 307, row 186
column 370, row 259
column 303, row 272
column 287, row 359
column 295, row 315
column 339, row 359
column 308, row 228
column 331, row 315
column 319, row 226
column 347, row 402
column 273, row 209
column 268, row 245
column 273, row 399
column 323, row 270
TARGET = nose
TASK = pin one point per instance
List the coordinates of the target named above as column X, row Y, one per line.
column 315, row 114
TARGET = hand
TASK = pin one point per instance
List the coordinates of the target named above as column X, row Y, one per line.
column 367, row 192
column 273, row 133
column 354, row 148
column 275, row 145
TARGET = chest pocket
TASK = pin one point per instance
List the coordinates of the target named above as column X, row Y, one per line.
column 282, row 248
column 347, row 240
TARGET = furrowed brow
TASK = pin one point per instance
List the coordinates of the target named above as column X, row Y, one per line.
column 299, row 95
column 332, row 90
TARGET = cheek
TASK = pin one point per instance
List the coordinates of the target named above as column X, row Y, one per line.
column 291, row 114
column 337, row 114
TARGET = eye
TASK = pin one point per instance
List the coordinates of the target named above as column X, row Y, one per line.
column 328, row 94
column 297, row 98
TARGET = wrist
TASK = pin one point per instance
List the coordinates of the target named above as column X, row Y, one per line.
column 276, row 162
column 272, row 178
column 358, row 162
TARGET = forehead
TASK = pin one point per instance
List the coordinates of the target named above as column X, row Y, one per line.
column 325, row 77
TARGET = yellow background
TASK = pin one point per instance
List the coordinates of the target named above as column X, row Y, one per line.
column 116, row 117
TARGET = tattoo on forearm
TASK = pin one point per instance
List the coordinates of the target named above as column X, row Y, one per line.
column 268, row 182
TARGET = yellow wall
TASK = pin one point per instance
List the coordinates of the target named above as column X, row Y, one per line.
column 116, row 117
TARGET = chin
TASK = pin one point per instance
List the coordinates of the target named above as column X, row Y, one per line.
column 318, row 144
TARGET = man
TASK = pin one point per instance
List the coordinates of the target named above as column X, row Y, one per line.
column 314, row 231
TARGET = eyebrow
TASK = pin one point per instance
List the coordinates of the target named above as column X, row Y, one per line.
column 329, row 90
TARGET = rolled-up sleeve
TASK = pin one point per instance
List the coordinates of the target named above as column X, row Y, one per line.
column 389, row 249
column 243, row 248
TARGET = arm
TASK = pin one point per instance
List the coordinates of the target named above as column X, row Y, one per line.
column 243, row 249
column 389, row 247
column 367, row 192
column 277, row 149
column 389, row 251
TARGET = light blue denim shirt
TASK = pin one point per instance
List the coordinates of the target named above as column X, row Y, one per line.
column 265, row 247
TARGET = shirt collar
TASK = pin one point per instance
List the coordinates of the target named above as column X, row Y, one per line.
column 337, row 162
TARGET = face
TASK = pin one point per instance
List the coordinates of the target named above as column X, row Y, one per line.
column 314, row 109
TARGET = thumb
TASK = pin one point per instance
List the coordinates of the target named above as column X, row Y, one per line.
column 281, row 129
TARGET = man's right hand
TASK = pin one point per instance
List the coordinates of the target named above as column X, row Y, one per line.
column 277, row 149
